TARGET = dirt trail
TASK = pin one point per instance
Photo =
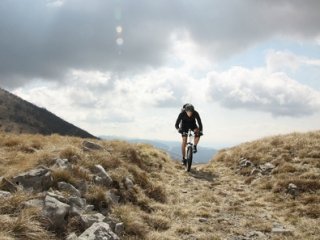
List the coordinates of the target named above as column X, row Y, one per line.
column 218, row 205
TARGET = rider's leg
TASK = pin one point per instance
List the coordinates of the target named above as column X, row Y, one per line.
column 183, row 146
column 196, row 139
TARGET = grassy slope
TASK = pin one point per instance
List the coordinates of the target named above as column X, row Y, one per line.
column 167, row 202
column 296, row 158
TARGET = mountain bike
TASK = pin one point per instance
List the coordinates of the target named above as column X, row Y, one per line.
column 189, row 149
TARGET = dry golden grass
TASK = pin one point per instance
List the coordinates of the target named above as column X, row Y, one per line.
column 26, row 225
column 296, row 159
column 211, row 202
column 13, row 204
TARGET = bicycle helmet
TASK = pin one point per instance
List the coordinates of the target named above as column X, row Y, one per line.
column 189, row 107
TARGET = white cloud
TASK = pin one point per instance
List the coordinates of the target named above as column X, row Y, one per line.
column 285, row 60
column 55, row 3
column 262, row 90
column 282, row 60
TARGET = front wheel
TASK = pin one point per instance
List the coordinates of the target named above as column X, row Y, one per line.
column 189, row 158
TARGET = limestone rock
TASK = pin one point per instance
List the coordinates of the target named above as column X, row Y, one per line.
column 91, row 146
column 102, row 176
column 38, row 179
column 128, row 183
column 293, row 190
column 56, row 212
column 77, row 201
column 99, row 231
column 266, row 168
column 72, row 236
column 62, row 163
column 33, row 203
column 4, row 194
column 7, row 185
column 63, row 186
column 89, row 219
column 119, row 229
column 245, row 163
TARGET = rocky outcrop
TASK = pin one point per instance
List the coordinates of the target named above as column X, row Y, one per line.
column 60, row 202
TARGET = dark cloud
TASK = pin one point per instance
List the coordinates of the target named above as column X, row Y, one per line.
column 41, row 39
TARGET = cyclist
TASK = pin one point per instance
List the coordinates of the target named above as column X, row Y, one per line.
column 188, row 119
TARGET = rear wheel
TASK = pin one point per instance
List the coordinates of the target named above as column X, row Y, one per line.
column 189, row 158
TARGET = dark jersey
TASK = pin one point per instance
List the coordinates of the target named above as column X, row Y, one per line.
column 189, row 122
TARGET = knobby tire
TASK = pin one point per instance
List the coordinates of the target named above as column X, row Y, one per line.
column 189, row 158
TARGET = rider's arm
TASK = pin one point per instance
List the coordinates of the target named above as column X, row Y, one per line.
column 178, row 121
column 199, row 121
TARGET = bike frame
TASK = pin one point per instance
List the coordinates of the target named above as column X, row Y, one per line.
column 189, row 149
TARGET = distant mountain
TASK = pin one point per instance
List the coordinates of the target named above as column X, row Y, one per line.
column 204, row 154
column 20, row 116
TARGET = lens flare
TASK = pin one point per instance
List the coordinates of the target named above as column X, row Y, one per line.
column 119, row 41
column 119, row 29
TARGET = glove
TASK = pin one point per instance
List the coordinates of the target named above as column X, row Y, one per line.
column 200, row 133
column 179, row 130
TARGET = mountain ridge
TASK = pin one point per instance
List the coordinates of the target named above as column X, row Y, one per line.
column 20, row 116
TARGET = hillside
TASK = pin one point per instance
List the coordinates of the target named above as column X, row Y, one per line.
column 283, row 172
column 135, row 191
column 20, row 116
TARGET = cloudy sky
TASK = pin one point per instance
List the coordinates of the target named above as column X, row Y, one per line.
column 124, row 68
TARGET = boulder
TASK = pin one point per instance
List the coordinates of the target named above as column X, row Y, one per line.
column 72, row 236
column 280, row 229
column 89, row 208
column 33, row 203
column 266, row 168
column 62, row 163
column 56, row 212
column 83, row 187
column 128, row 183
column 245, row 163
column 91, row 146
column 4, row 194
column 38, row 179
column 113, row 197
column 63, row 186
column 102, row 177
column 7, row 185
column 292, row 189
column 99, row 231
column 203, row 220
column 77, row 201
column 89, row 219
column 119, row 229
column 57, row 195
column 74, row 211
